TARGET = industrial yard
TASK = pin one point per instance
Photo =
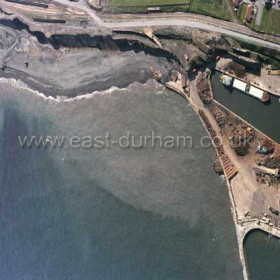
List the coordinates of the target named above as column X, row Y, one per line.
column 251, row 168
column 250, row 160
column 255, row 156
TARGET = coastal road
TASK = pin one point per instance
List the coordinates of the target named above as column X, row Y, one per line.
column 194, row 24
column 201, row 22
column 113, row 22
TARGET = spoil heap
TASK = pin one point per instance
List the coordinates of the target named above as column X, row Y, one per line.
column 229, row 168
column 204, row 88
column 240, row 138
column 219, row 115
column 273, row 162
column 236, row 69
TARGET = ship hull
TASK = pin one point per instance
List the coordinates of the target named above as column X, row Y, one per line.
column 245, row 87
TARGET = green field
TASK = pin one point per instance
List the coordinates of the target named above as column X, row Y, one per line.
column 270, row 20
column 242, row 11
column 142, row 5
column 214, row 8
column 147, row 3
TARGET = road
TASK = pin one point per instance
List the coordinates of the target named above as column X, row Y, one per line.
column 193, row 24
column 229, row 29
column 113, row 22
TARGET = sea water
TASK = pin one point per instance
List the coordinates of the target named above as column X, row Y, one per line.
column 111, row 213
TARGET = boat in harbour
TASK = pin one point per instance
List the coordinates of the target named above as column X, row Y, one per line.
column 226, row 80
column 245, row 87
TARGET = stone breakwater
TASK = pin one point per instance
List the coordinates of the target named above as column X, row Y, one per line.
column 243, row 228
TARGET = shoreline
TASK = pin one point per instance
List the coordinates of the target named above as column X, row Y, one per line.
column 61, row 98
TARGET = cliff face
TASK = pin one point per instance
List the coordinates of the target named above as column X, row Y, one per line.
column 51, row 63
column 71, row 65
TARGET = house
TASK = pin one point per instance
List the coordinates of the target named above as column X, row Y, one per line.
column 249, row 12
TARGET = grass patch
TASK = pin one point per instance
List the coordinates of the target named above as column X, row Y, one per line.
column 213, row 8
column 147, row 3
column 242, row 11
column 270, row 22
column 142, row 5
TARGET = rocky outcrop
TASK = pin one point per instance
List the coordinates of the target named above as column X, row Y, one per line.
column 217, row 166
